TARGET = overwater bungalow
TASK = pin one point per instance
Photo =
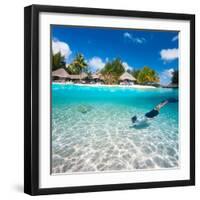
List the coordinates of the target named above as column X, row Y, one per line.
column 127, row 79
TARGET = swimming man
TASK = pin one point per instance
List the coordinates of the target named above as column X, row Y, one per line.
column 152, row 113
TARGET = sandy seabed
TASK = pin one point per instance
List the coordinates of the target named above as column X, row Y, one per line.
column 104, row 140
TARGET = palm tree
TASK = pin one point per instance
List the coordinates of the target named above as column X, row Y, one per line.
column 78, row 65
column 147, row 75
column 58, row 61
column 112, row 71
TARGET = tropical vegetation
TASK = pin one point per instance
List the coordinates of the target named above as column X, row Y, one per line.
column 145, row 75
column 58, row 61
column 78, row 65
column 110, row 72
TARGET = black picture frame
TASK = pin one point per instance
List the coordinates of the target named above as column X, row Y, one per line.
column 31, row 99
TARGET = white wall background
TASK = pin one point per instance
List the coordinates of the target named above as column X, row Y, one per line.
column 11, row 98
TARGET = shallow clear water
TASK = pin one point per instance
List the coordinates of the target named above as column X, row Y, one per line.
column 92, row 129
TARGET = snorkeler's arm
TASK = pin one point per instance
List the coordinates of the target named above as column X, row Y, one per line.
column 160, row 105
column 163, row 103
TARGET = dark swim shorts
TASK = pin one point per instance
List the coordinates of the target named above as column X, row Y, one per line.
column 152, row 113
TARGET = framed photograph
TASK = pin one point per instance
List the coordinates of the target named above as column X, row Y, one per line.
column 109, row 100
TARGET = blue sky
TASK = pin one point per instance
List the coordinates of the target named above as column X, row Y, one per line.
column 136, row 48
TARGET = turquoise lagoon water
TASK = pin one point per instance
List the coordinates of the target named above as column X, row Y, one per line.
column 92, row 129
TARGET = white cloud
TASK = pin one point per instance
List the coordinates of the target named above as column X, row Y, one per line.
column 165, row 76
column 169, row 54
column 138, row 40
column 175, row 38
column 62, row 47
column 96, row 64
column 126, row 66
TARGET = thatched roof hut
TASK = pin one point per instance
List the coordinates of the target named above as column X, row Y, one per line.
column 83, row 75
column 74, row 77
column 61, row 73
column 95, row 76
column 126, row 77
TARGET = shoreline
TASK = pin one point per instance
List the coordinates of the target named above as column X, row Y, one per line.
column 103, row 85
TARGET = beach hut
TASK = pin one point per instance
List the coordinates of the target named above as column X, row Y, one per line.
column 83, row 76
column 60, row 75
column 127, row 79
column 79, row 77
column 97, row 78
